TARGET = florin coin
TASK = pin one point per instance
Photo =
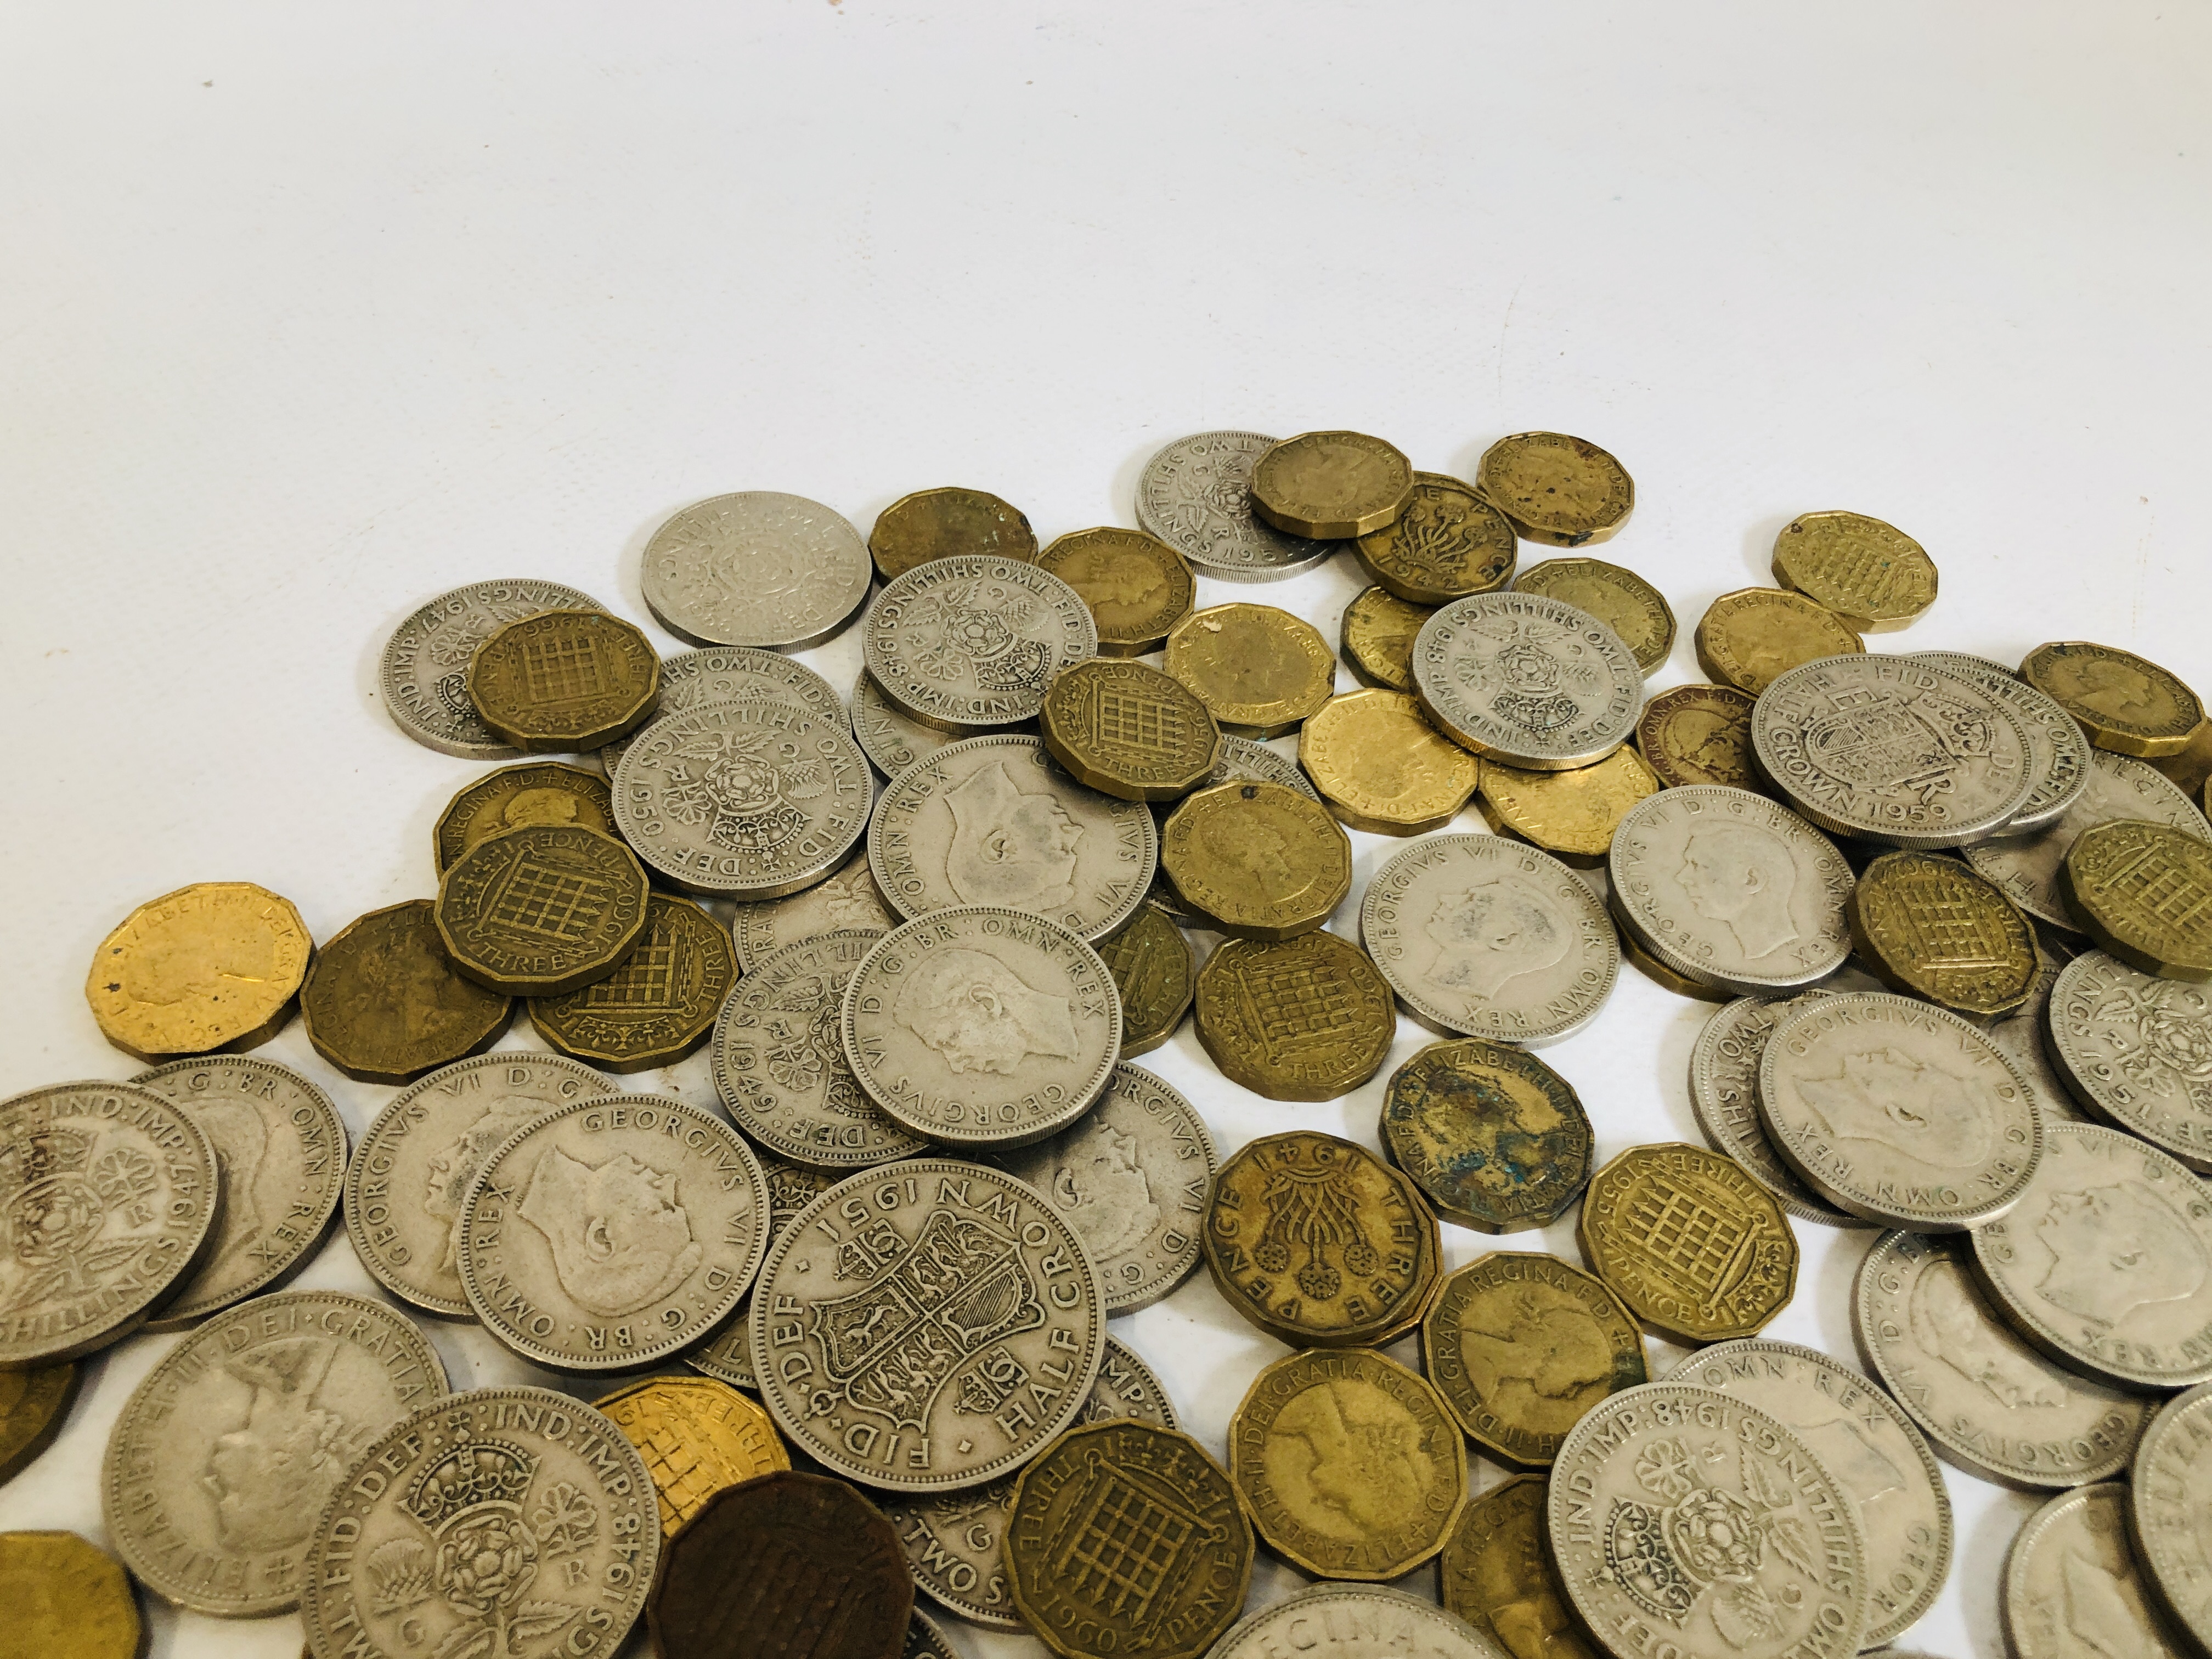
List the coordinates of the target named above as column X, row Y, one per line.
column 924, row 1640
column 33, row 1404
column 969, row 644
column 2125, row 703
column 1991, row 1404
column 1376, row 637
column 2137, row 1052
column 1383, row 767
column 2057, row 753
column 1496, row 1140
column 534, row 794
column 1195, row 495
column 891, row 738
column 1560, row 491
column 942, row 523
column 727, row 1356
column 2073, row 1584
column 66, row 1600
column 1129, row 731
column 981, row 1026
column 424, row 677
column 2169, row 1494
column 1572, row 815
column 955, row 1390
column 1481, row 937
column 215, row 965
column 1521, row 1345
column 225, row 1454
column 1691, row 1244
column 1698, row 734
column 1371, row 1518
column 404, row 1187
column 1154, row 971
column 697, row 1437
column 543, row 910
column 849, row 901
column 2026, row 868
column 1725, row 1095
column 1308, row 1019
column 2143, row 891
column 1752, row 637
column 585, row 1238
column 1330, row 485
column 1449, row 542
column 1257, row 668
column 1528, row 680
column 756, row 568
column 1928, row 926
column 383, row 1002
column 1256, row 860
column 1872, row 575
column 1138, row 588
column 659, row 1005
column 1355, row 1621
column 734, row 673
column 1620, row 598
column 1496, row 1572
column 563, row 680
column 1244, row 761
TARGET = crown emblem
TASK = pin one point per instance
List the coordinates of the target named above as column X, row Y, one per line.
column 478, row 1473
column 45, row 1155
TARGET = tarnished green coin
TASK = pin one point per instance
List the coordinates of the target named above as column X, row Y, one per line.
column 1496, row 1140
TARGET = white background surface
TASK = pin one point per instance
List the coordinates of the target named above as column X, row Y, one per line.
column 310, row 313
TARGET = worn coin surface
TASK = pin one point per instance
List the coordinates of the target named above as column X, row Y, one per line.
column 2057, row 752
column 215, row 965
column 2124, row 702
column 696, row 1436
column 1138, row 588
column 543, row 910
column 67, row 1598
column 1698, row 734
column 756, row 568
column 532, row 794
column 1308, row 1019
column 2021, row 1037
column 1572, row 815
column 1528, row 680
column 926, row 1326
column 2137, row 1052
column 733, row 673
column 383, row 1002
column 1156, row 975
column 1620, row 598
column 423, row 677
column 1691, row 1244
column 564, row 680
column 969, row 644
column 937, row 524
column 2073, row 1584
column 891, row 738
column 1495, row 1139
column 1496, row 1572
column 847, row 901
column 1244, row 761
column 659, row 1005
column 1259, row 670
column 1752, row 637
column 1482, row 937
column 1872, row 575
column 1196, row 495
column 1330, row 485
column 1256, row 860
column 1928, row 926
column 728, row 1355
column 1448, row 543
column 2143, row 891
column 2026, row 868
column 1129, row 730
column 1356, row 1621
column 2169, row 1495
column 1563, row 491
column 1521, row 1345
column 1376, row 637
column 33, row 1404
column 1383, row 767
column 225, row 1454
column 1725, row 1095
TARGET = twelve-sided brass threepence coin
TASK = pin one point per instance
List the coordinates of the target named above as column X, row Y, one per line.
column 1195, row 495
column 1620, row 598
column 1495, row 1139
column 1872, row 575
column 1129, row 731
column 534, row 793
column 1154, row 971
column 944, row 523
column 1572, row 815
column 423, row 677
column 385, row 1004
column 542, row 911
column 215, row 965
column 1528, row 680
column 1563, row 491
column 1383, row 767
column 1497, row 1574
column 1698, row 734
column 1257, row 668
column 1330, row 485
column 756, row 568
column 1138, row 588
column 563, row 680
column 1752, row 637
column 1257, row 860
column 1308, row 1019
column 2143, row 891
column 1928, row 926
column 1375, row 638
column 659, row 1005
column 969, row 644
column 696, row 1436
column 1689, row 1242
column 2125, row 703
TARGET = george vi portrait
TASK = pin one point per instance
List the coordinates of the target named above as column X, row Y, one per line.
column 1490, row 934
column 619, row 1239
column 1098, row 1185
column 455, row 1165
column 241, row 1149
column 979, row 1015
column 1010, row 846
column 2114, row 1249
column 270, row 1476
column 1743, row 876
column 1951, row 1326
column 1885, row 1096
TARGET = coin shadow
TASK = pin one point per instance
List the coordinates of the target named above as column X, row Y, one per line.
column 1676, row 1041
column 1978, row 1565
column 1839, row 1277
column 1126, row 471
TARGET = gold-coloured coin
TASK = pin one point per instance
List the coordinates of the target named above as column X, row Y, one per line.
column 213, row 966
column 521, row 797
column 1259, row 669
column 564, row 681
column 1496, row 1573
column 1383, row 767
column 1377, row 638
column 696, row 1436
column 1329, row 485
column 385, row 1004
column 1256, row 860
column 1309, row 1018
column 1928, row 926
column 1153, row 969
column 1449, row 542
column 1649, row 965
column 1496, row 1140
column 2190, row 769
column 1618, row 598
column 943, row 523
column 1698, row 734
column 1319, row 1242
column 1571, row 814
column 658, row 1006
column 2143, row 891
column 2125, row 703
column 1349, row 1463
column 1138, row 588
column 33, row 1404
column 1556, row 489
column 1128, row 731
column 542, row 911
column 1872, row 575
column 1691, row 1244
column 1752, row 637
column 1520, row 1344
column 64, row 1599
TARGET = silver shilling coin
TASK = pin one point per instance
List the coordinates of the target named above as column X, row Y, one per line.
column 728, row 1355
column 1196, row 495
column 2169, row 1495
column 2137, row 1052
column 1355, row 1621
column 969, row 644
column 2073, row 1585
column 424, row 676
column 732, row 673
column 846, row 901
column 2058, row 751
column 756, row 568
column 1528, row 680
column 891, row 738
column 1724, row 1096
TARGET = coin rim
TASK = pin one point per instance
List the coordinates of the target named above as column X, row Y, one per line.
column 773, row 639
column 387, row 675
column 1628, row 681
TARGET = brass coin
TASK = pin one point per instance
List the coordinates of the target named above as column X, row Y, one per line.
column 1571, row 814
column 1366, row 1515
column 2125, row 703
column 65, row 1600
column 1378, row 637
column 1129, row 731
column 385, row 1004
column 1657, row 971
column 696, row 1436
column 542, row 911
column 1931, row 927
column 1872, row 575
column 1698, row 734
column 215, row 965
column 1449, row 542
column 1321, row 1244
column 1496, row 1140
column 1691, row 1244
column 564, row 681
column 2143, row 891
column 1309, row 1018
column 1329, row 485
column 938, row 523
column 1383, row 767
column 1752, row 637
column 2190, row 770
column 1256, row 860
column 1259, row 670
column 532, row 794
column 33, row 1406
column 1520, row 1344
column 1556, row 489
column 659, row 1005
column 1153, row 969
column 1496, row 1572
column 1620, row 598
column 1138, row 588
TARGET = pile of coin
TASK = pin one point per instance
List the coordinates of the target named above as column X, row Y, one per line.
column 890, row 1247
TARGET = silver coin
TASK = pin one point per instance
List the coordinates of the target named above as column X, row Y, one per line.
column 1724, row 1095
column 2169, row 1496
column 2057, row 752
column 2025, row 868
column 926, row 1326
column 994, row 820
column 225, row 1454
column 756, row 568
column 2022, row 1037
column 2073, row 1587
column 780, row 1065
column 1730, row 889
column 404, row 1186
column 890, row 738
column 1872, row 1448
column 1528, row 680
column 924, row 1640
column 968, row 644
column 1355, row 1621
column 2106, row 1263
column 1196, row 495
column 953, row 1540
column 2137, row 1052
column 1246, row 760
column 1898, row 1111
column 498, row 1522
column 614, row 1233
column 281, row 1151
column 747, row 800
column 1674, row 1506
column 1131, row 1177
column 848, row 901
column 731, row 673
column 1893, row 749
column 424, row 678
column 727, row 1356
column 110, row 1193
